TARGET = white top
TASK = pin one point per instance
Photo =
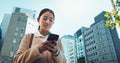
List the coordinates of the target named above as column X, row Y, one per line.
column 39, row 35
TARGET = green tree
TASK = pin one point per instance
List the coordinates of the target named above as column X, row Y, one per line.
column 113, row 18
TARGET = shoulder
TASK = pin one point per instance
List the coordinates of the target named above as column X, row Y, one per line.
column 28, row 35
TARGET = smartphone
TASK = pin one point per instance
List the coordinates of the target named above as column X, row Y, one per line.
column 52, row 37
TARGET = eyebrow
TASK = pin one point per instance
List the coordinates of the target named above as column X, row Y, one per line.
column 47, row 17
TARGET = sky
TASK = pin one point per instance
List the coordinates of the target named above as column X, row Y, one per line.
column 70, row 15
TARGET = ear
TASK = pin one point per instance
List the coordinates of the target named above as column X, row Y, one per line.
column 37, row 19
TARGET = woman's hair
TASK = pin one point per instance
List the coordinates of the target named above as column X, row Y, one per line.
column 46, row 10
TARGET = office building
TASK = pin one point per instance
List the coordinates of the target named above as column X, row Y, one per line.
column 80, row 48
column 4, row 27
column 0, row 38
column 101, row 44
column 68, row 43
column 19, row 25
column 29, row 12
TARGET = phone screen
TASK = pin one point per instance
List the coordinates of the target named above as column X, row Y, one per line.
column 52, row 37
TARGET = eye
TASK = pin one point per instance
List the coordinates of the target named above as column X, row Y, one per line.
column 51, row 20
column 44, row 18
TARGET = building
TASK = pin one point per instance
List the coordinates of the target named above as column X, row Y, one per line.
column 29, row 12
column 4, row 26
column 101, row 44
column 20, row 24
column 79, row 41
column 0, row 38
column 69, row 48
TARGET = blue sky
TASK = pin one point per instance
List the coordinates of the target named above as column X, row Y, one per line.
column 70, row 14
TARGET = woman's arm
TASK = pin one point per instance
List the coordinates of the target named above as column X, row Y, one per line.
column 60, row 58
column 26, row 54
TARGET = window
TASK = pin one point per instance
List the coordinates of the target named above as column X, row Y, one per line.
column 15, row 34
column 12, row 48
column 19, row 18
column 22, row 29
column 17, row 10
column 14, row 40
column 21, row 35
column 17, row 29
column 11, row 54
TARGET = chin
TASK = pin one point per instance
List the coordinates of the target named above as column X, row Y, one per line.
column 46, row 29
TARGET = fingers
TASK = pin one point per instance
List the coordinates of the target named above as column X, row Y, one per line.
column 51, row 47
column 48, row 45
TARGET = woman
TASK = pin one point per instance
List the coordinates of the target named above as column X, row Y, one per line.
column 38, row 49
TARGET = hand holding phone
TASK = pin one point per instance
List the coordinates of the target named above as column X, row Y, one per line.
column 53, row 37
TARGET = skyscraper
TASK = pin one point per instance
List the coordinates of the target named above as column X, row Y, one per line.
column 20, row 23
column 79, row 41
column 0, row 38
column 4, row 26
column 101, row 44
column 31, row 13
column 69, row 48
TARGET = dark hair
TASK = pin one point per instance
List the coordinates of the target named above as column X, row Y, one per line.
column 46, row 10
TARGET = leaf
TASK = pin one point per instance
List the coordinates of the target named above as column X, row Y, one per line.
column 118, row 23
column 107, row 15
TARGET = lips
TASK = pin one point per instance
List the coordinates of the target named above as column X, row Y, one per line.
column 46, row 26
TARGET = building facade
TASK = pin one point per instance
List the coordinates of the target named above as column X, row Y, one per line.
column 69, row 48
column 20, row 24
column 0, row 38
column 80, row 48
column 29, row 12
column 101, row 44
column 4, row 26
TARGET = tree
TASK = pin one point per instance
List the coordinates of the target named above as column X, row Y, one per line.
column 113, row 18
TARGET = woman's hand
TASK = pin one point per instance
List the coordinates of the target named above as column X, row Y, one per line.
column 48, row 45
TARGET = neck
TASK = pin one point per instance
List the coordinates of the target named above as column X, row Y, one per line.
column 43, row 32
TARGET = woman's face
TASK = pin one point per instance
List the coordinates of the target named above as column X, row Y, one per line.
column 46, row 21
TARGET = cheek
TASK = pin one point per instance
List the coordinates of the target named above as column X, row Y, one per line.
column 39, row 22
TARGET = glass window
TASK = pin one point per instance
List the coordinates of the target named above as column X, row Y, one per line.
column 19, row 18
column 17, row 28
column 17, row 10
column 14, row 40
column 12, row 47
column 11, row 54
column 21, row 35
column 22, row 29
column 15, row 34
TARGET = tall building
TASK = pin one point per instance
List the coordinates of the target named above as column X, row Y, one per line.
column 29, row 12
column 20, row 23
column 0, row 38
column 68, row 43
column 4, row 26
column 101, row 44
column 79, row 41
